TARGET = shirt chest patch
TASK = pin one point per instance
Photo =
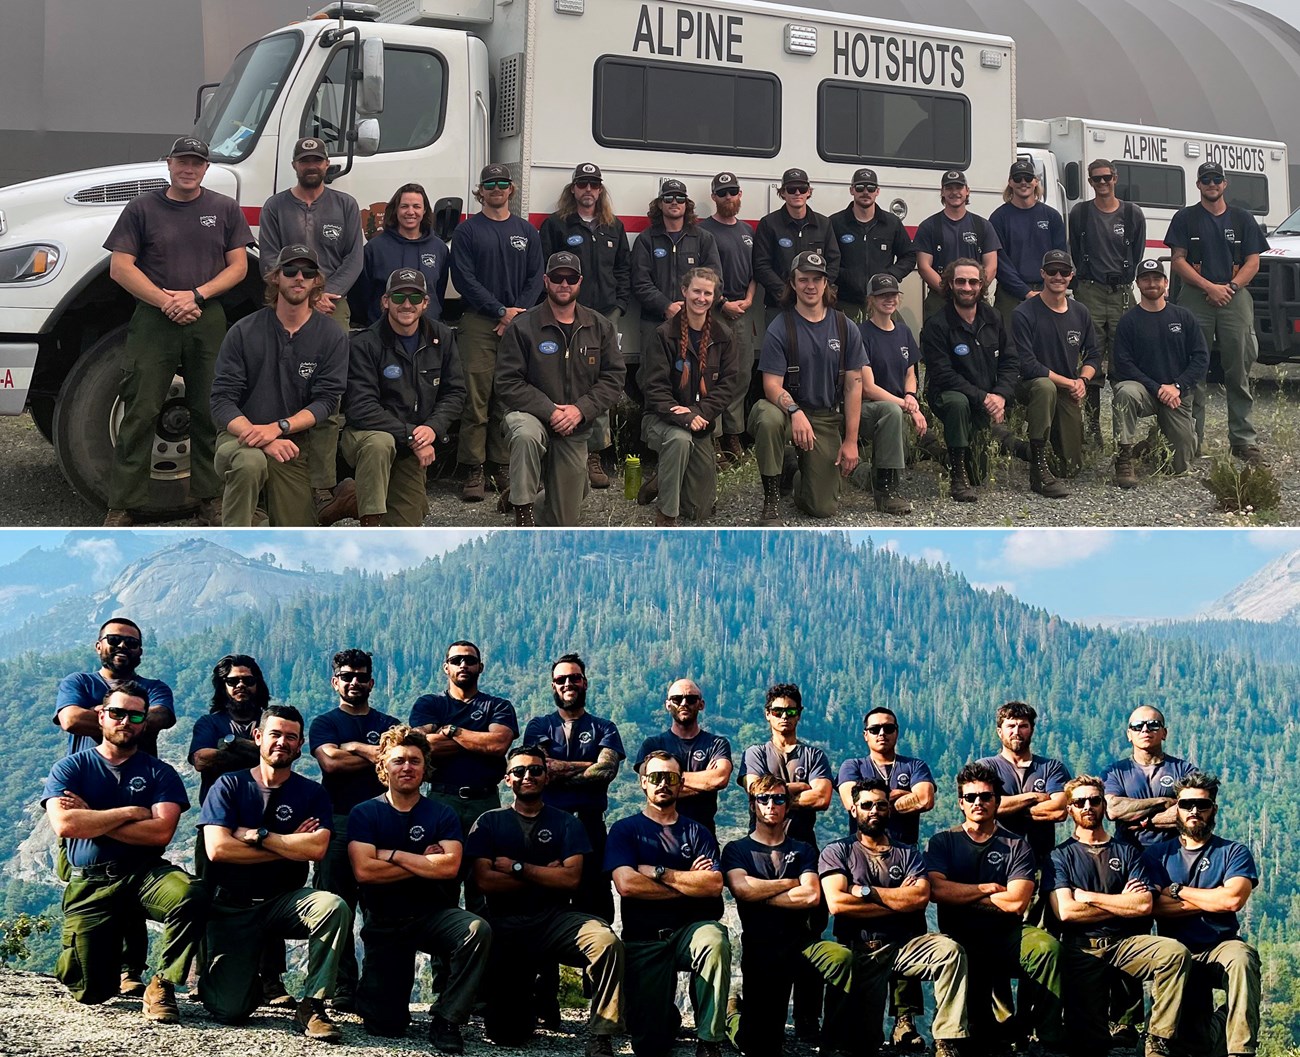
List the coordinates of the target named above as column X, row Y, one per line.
column 847, row 239
column 519, row 242
column 785, row 244
column 661, row 252
column 392, row 371
column 1073, row 337
column 416, row 834
column 306, row 369
column 574, row 240
column 1175, row 328
column 748, row 240
column 333, row 232
column 961, row 350
column 208, row 222
column 970, row 238
column 1043, row 225
column 284, row 812
column 136, row 784
column 428, row 260
column 548, row 348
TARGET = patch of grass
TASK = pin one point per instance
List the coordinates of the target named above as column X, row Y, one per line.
column 1245, row 490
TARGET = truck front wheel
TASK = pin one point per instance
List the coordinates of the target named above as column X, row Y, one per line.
column 86, row 419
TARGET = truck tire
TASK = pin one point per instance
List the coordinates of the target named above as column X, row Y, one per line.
column 85, row 429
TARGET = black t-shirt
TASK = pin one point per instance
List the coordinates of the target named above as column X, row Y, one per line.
column 1064, row 342
column 378, row 823
column 821, row 360
column 208, row 731
column 891, row 868
column 1104, row 868
column 640, row 841
column 550, row 836
column 1160, row 348
column 336, row 727
column 696, row 754
column 474, row 769
column 948, row 240
column 889, row 354
column 788, row 860
column 1001, row 859
column 1217, row 235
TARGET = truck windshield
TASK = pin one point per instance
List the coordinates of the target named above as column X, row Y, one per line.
column 233, row 117
column 1290, row 226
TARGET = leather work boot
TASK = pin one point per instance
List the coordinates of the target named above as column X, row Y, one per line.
column 1125, row 476
column 649, row 490
column 209, row 512
column 596, row 471
column 315, row 1022
column 273, row 992
column 771, row 500
column 885, row 491
column 959, row 486
column 160, row 1002
column 474, row 488
column 119, row 519
column 370, row 520
column 1040, row 475
column 445, row 1036
column 336, row 504
column 1249, row 454
column 500, row 474
column 905, row 1036
column 733, row 451
column 524, row 516
column 663, row 520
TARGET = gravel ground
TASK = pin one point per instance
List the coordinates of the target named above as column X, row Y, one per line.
column 33, row 492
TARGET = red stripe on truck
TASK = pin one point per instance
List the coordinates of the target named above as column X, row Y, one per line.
column 252, row 214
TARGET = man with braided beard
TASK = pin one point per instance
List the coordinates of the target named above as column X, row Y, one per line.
column 690, row 378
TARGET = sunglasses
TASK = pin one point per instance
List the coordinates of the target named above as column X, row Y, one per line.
column 883, row 728
column 788, row 713
column 564, row 278
column 240, row 680
column 727, row 192
column 130, row 715
column 567, row 680
column 1058, row 272
column 352, row 677
column 531, row 770
column 770, row 798
column 1102, row 178
column 1023, row 178
column 675, row 199
column 1212, row 181
column 664, row 778
column 966, row 282
column 684, row 699
column 874, row 807
column 797, row 189
column 870, row 188
column 1079, row 803
column 410, row 298
column 463, row 660
column 292, row 271
column 587, row 185
column 129, row 642
column 1197, row 803
column 496, row 185
column 1146, row 725
column 977, row 798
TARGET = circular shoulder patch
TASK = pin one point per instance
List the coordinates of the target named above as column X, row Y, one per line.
column 785, row 244
column 548, row 348
column 392, row 371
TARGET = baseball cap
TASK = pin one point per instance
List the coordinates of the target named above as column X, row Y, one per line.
column 495, row 171
column 189, row 145
column 587, row 170
column 1150, row 266
column 794, row 176
column 882, row 283
column 1058, row 257
column 310, row 147
column 809, row 261
column 672, row 187
column 724, row 180
column 954, row 176
column 865, row 176
column 1021, row 167
column 1208, row 168
column 406, row 279
column 563, row 259
column 296, row 251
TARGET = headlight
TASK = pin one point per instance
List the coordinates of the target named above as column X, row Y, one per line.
column 27, row 264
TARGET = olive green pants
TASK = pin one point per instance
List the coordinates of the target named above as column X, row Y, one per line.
column 97, row 909
column 688, row 470
column 1163, row 962
column 746, row 338
column 1106, row 307
column 541, row 459
column 156, row 350
column 883, row 428
column 247, row 471
column 1231, row 329
column 963, row 421
column 390, row 485
column 702, row 949
column 321, row 444
column 818, row 493
column 1055, row 416
column 1028, row 954
column 334, row 874
column 1233, row 967
column 1132, row 401
column 481, row 420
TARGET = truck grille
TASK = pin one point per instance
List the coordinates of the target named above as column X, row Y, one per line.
column 1276, row 293
column 113, row 194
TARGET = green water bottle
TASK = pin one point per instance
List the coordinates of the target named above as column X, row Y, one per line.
column 631, row 477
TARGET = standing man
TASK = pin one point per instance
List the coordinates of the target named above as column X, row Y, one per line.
column 405, row 390
column 953, row 234
column 406, row 854
column 872, row 241
column 280, row 372
column 877, row 892
column 527, row 858
column 329, row 223
column 1139, row 791
column 811, row 364
column 558, row 372
column 785, row 235
column 1028, row 228
column 705, row 757
column 584, row 223
column 1204, row 881
column 1102, row 895
column 982, row 877
column 774, row 881
column 1107, row 239
column 665, row 868
column 971, row 370
column 496, row 263
column 175, row 250
column 261, row 827
column 345, row 742
column 1216, row 250
column 1160, row 359
column 117, row 809
column 735, row 241
column 807, row 774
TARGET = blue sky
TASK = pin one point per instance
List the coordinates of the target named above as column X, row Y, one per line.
column 1081, row 574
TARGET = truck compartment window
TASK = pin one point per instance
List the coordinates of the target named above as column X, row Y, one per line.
column 1151, row 186
column 647, row 104
column 861, row 122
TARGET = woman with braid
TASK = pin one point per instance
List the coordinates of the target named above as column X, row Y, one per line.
column 690, row 377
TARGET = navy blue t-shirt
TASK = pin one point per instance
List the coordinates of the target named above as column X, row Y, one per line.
column 589, row 734
column 788, row 860
column 888, row 869
column 805, row 763
column 890, row 353
column 1217, row 236
column 1104, row 868
column 552, row 835
column 1209, row 866
column 337, row 727
column 474, row 769
column 1043, row 775
column 208, row 731
column 821, row 360
column 1128, row 779
column 906, row 772
column 640, row 841
column 1003, row 858
column 378, row 823
column 141, row 781
column 236, row 800
column 88, row 690
column 695, row 754
column 1160, row 348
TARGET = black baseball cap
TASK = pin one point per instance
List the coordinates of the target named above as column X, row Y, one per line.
column 495, row 171
column 1058, row 257
column 794, row 176
column 809, row 261
column 310, row 147
column 407, row 279
column 1021, row 167
column 563, row 259
column 724, row 180
column 587, row 170
column 954, row 176
column 1150, row 266
column 188, row 145
column 672, row 187
column 1208, row 168
column 296, row 251
column 882, row 283
column 865, row 176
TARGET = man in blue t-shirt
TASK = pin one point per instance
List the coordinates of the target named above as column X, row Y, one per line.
column 406, row 853
column 1203, row 881
column 705, row 757
column 665, row 867
column 116, row 808
column 1140, row 790
column 261, row 827
column 954, row 233
column 345, row 742
column 1102, row 894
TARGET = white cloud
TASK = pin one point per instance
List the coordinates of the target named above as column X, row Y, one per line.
column 1275, row 541
column 996, row 585
column 934, row 555
column 889, row 546
column 334, row 550
column 1054, row 548
column 103, row 552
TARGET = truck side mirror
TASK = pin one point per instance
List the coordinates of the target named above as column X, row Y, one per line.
column 446, row 216
column 1073, row 185
column 368, row 137
column 370, row 93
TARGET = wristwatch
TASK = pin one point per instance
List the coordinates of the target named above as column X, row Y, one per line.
column 791, row 408
column 516, row 868
column 501, row 312
column 450, row 731
column 200, row 300
column 284, row 427
column 262, row 834
column 1232, row 286
column 1176, row 891
column 861, row 891
column 659, row 872
column 228, row 742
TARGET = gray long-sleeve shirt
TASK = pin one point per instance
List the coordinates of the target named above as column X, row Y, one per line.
column 331, row 226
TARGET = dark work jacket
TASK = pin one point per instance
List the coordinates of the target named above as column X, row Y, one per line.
column 772, row 260
column 662, row 376
column 988, row 365
column 534, row 377
column 868, row 249
column 657, row 276
column 606, row 268
column 393, row 392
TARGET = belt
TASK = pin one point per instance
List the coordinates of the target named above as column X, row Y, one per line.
column 1092, row 943
column 231, row 898
column 1113, row 288
column 107, row 871
column 872, row 945
column 465, row 792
